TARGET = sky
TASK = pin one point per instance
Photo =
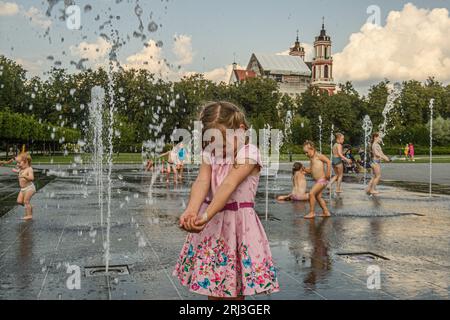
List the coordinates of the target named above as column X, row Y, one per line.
column 407, row 40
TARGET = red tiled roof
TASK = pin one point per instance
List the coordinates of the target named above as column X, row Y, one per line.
column 242, row 75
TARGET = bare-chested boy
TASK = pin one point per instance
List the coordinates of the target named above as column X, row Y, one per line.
column 317, row 170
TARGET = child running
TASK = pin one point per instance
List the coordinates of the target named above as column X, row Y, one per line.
column 27, row 188
column 377, row 156
column 299, row 185
column 317, row 170
column 227, row 254
column 338, row 163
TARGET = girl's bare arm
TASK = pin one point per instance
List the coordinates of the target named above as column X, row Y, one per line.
column 328, row 163
column 200, row 188
column 234, row 178
column 378, row 152
column 341, row 155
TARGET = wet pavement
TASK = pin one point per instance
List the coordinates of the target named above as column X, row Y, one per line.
column 406, row 232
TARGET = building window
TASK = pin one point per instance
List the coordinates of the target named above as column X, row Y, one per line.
column 326, row 71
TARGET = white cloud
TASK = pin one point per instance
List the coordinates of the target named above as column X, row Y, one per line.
column 182, row 48
column 34, row 68
column 309, row 51
column 412, row 45
column 8, row 8
column 94, row 51
column 218, row 75
column 149, row 58
column 37, row 18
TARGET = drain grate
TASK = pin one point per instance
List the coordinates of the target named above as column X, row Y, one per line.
column 98, row 271
column 361, row 256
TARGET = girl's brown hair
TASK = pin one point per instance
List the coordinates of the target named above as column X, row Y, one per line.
column 25, row 156
column 222, row 115
column 296, row 167
column 372, row 140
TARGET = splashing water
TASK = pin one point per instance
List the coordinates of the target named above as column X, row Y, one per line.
column 367, row 127
column 331, row 140
column 265, row 144
column 96, row 143
column 331, row 148
column 431, row 106
column 288, row 127
column 320, row 133
column 394, row 94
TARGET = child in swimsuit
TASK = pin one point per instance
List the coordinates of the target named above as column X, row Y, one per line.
column 172, row 159
column 27, row 188
column 299, row 185
column 317, row 170
column 377, row 156
column 337, row 162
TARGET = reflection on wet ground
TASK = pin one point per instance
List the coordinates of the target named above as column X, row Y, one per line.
column 407, row 228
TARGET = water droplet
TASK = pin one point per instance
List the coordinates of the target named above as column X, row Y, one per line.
column 152, row 26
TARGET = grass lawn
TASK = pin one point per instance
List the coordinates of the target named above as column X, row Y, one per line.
column 124, row 158
column 135, row 158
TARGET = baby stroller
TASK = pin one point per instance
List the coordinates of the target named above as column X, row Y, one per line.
column 350, row 167
column 365, row 159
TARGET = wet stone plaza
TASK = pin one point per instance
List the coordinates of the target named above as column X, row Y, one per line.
column 392, row 246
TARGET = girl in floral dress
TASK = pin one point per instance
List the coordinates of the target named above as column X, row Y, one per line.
column 226, row 254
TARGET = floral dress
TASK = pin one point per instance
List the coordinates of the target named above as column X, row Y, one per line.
column 231, row 257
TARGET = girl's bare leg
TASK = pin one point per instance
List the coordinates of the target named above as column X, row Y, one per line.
column 20, row 198
column 323, row 205
column 315, row 190
column 333, row 179
column 376, row 179
column 284, row 198
column 340, row 174
column 28, row 206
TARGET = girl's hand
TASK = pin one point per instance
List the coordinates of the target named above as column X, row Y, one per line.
column 185, row 217
column 199, row 224
column 195, row 224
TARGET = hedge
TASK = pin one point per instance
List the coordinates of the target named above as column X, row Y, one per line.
column 19, row 127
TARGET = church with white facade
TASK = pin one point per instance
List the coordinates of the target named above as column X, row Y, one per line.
column 293, row 74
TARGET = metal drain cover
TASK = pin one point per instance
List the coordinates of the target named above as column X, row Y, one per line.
column 98, row 271
column 361, row 256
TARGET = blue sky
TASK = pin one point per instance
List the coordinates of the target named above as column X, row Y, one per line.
column 217, row 29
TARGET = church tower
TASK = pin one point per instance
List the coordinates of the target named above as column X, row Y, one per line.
column 322, row 65
column 297, row 50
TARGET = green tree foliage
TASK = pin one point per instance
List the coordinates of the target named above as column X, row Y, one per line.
column 148, row 108
column 441, row 131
